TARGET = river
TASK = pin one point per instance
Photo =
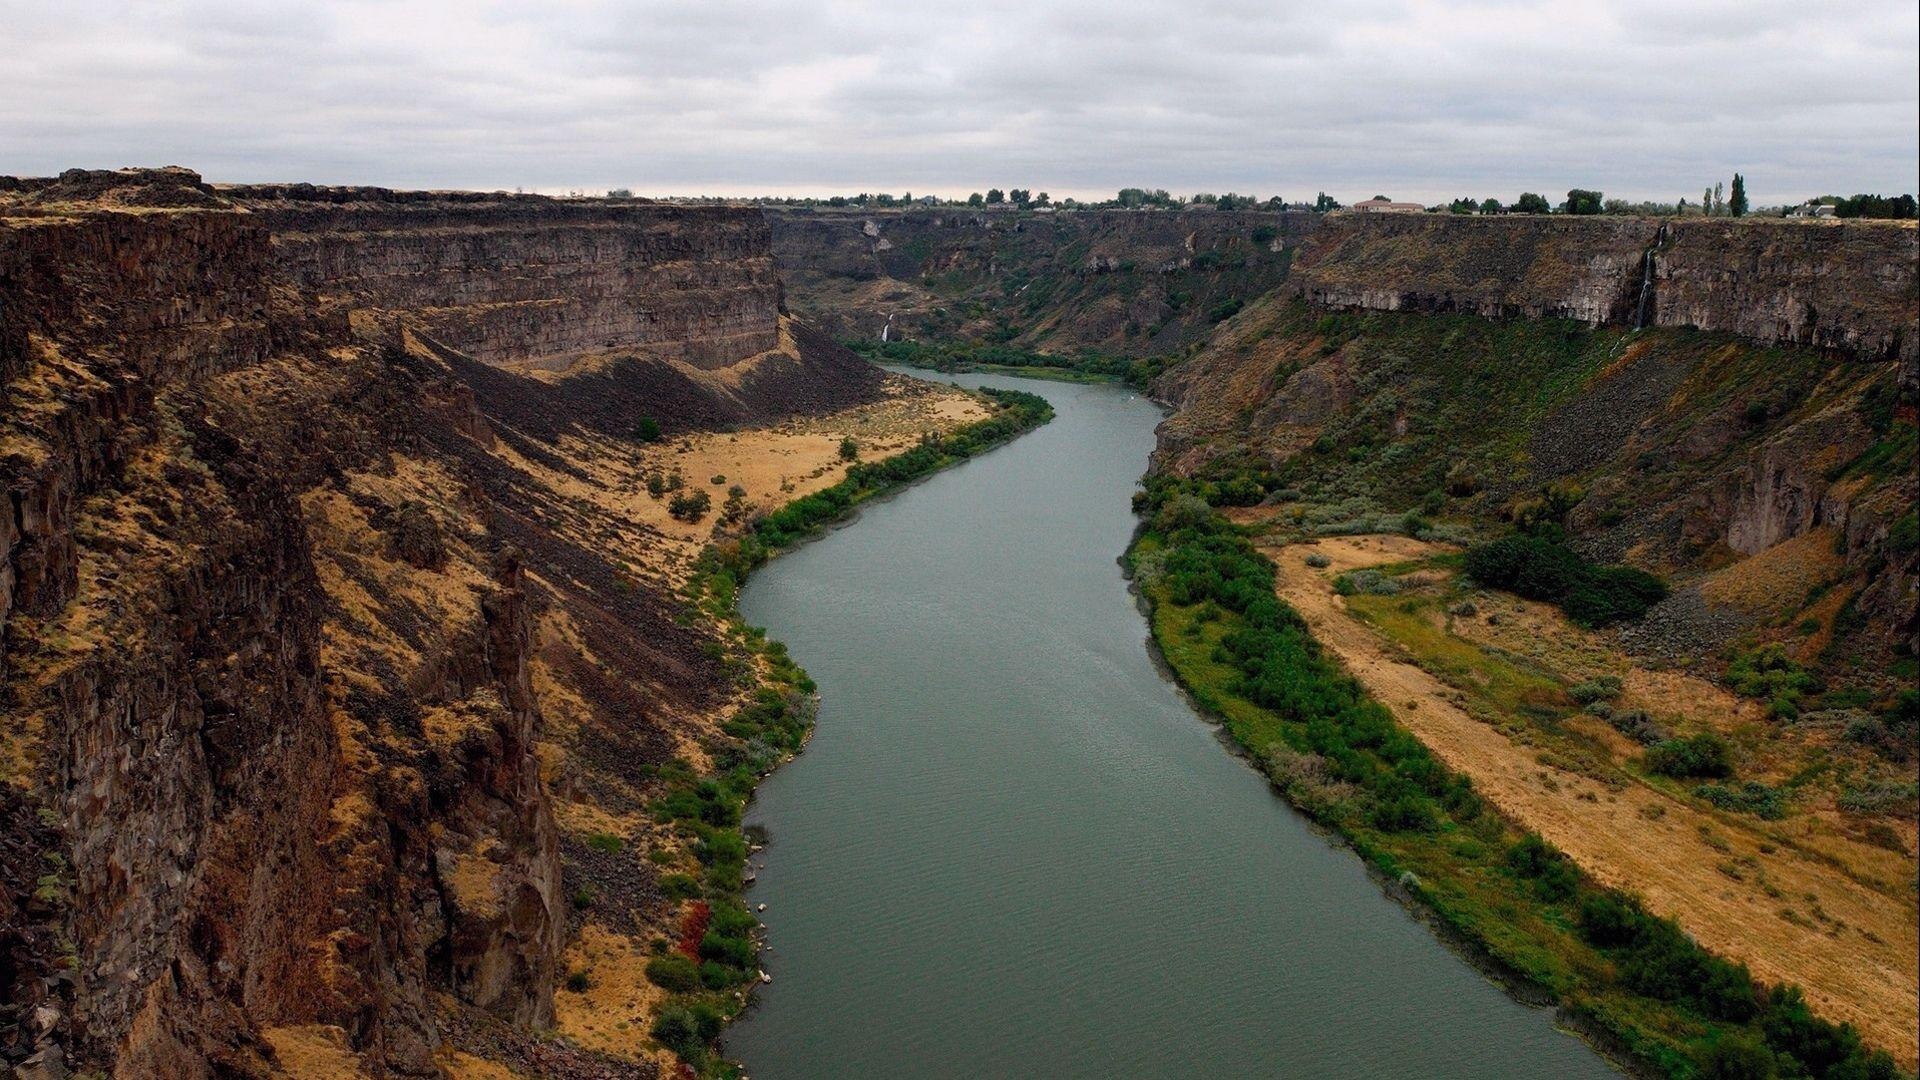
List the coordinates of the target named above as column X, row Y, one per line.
column 1012, row 849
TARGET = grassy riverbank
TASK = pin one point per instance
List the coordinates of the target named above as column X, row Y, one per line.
column 1629, row 980
column 713, row 963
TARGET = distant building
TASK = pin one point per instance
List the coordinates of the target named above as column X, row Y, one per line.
column 1812, row 210
column 1388, row 206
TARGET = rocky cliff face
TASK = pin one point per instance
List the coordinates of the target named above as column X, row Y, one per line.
column 1126, row 283
column 518, row 277
column 275, row 563
column 1842, row 285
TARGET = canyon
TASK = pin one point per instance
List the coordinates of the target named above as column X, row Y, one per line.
column 345, row 622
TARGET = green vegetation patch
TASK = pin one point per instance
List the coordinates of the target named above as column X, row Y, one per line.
column 1084, row 366
column 1542, row 568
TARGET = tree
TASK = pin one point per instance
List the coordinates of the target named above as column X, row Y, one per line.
column 1490, row 206
column 1325, row 202
column 1582, row 201
column 1737, row 204
column 995, row 196
column 647, row 430
column 1719, row 200
column 849, row 450
column 976, row 199
column 1463, row 206
column 1531, row 203
column 1020, row 196
column 1706, row 201
column 1041, row 199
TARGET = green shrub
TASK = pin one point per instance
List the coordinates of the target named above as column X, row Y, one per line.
column 687, row 1029
column 1703, row 755
column 690, row 506
column 736, row 952
column 1738, row 1056
column 679, row 887
column 673, row 972
column 647, row 430
column 1553, row 876
column 1773, row 676
column 1750, row 797
column 605, row 843
column 1602, row 688
column 1541, row 568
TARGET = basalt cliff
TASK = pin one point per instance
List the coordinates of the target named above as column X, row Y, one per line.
column 314, row 630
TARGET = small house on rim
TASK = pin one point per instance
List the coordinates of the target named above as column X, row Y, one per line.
column 1388, row 206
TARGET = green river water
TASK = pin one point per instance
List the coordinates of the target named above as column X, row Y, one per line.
column 1012, row 849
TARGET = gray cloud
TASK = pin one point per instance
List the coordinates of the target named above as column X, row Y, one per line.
column 1419, row 99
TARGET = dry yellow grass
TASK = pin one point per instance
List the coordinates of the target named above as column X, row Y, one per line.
column 615, row 1012
column 313, row 1052
column 1796, row 903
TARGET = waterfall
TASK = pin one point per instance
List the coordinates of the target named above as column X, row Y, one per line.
column 1646, row 279
column 887, row 329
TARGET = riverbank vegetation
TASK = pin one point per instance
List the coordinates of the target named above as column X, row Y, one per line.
column 711, row 964
column 954, row 357
column 1634, row 982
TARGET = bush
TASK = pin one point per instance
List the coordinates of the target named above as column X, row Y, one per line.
column 733, row 951
column 1635, row 724
column 1318, row 561
column 1553, row 876
column 605, row 843
column 1366, row 583
column 687, row 1030
column 1704, row 755
column 1750, row 797
column 647, row 430
column 679, row 887
column 1737, row 1056
column 1770, row 674
column 849, row 449
column 690, row 507
column 1603, row 688
column 1541, row 568
column 674, row 973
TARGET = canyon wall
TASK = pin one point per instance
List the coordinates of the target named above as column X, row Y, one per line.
column 519, row 277
column 1843, row 285
column 1121, row 282
column 280, row 565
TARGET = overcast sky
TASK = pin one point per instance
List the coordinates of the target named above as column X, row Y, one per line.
column 1426, row 99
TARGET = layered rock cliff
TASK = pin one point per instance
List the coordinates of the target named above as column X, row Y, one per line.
column 291, row 580
column 1842, row 285
column 693, row 283
column 1118, row 282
